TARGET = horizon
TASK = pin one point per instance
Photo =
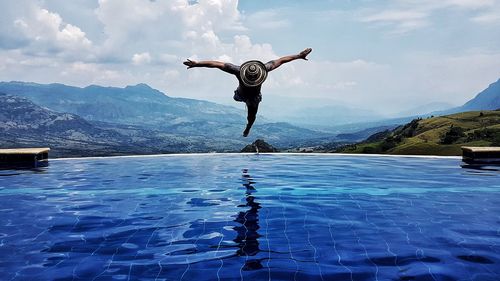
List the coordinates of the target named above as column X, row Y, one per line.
column 364, row 54
column 397, row 115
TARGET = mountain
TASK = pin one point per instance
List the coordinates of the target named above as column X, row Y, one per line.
column 488, row 99
column 139, row 104
column 442, row 135
column 343, row 121
column 144, row 106
column 24, row 124
column 131, row 120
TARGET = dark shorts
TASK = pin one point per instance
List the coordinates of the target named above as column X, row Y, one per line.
column 252, row 101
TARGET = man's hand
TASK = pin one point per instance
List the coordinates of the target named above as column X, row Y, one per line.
column 303, row 54
column 190, row 63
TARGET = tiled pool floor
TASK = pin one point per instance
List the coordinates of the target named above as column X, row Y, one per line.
column 250, row 217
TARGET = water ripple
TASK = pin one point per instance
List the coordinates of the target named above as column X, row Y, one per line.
column 269, row 217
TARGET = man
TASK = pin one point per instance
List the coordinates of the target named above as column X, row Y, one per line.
column 250, row 75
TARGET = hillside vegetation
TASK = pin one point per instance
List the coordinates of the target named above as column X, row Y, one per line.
column 442, row 135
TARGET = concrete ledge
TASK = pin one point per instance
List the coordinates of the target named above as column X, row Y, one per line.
column 481, row 155
column 24, row 157
column 24, row 150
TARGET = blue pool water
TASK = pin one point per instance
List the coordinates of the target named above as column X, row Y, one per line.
column 250, row 217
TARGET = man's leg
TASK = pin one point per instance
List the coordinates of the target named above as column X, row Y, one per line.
column 252, row 114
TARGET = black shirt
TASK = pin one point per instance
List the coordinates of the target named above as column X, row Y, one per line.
column 244, row 93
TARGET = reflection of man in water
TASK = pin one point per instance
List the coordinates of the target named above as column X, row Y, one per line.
column 250, row 75
column 247, row 235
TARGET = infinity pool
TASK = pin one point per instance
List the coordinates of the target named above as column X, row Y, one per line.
column 250, row 217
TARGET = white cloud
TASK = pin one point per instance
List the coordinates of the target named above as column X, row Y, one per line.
column 83, row 74
column 404, row 16
column 166, row 24
column 168, row 58
column 171, row 75
column 395, row 16
column 210, row 14
column 434, row 5
column 382, row 87
column 456, row 78
column 470, row 4
column 46, row 31
column 151, row 35
column 404, row 20
column 243, row 49
column 142, row 58
column 38, row 44
column 267, row 19
column 150, row 32
column 339, row 80
column 487, row 18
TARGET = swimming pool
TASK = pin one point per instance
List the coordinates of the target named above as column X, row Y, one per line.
column 250, row 217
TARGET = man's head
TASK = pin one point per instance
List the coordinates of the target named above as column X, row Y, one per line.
column 253, row 73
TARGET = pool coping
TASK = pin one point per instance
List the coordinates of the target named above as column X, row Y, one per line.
column 252, row 153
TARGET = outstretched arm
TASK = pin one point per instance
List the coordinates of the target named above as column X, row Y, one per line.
column 277, row 63
column 210, row 64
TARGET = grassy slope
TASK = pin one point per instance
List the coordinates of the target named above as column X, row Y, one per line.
column 426, row 139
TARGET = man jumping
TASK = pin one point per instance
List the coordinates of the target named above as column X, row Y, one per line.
column 250, row 75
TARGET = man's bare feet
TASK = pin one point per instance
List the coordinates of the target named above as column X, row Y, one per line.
column 303, row 54
column 246, row 132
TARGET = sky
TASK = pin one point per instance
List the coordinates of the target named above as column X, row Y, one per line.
column 385, row 56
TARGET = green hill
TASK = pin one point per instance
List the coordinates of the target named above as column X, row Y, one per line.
column 442, row 135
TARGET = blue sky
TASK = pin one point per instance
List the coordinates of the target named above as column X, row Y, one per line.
column 383, row 56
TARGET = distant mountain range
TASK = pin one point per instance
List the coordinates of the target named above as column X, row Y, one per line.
column 138, row 119
column 488, row 99
column 374, row 133
column 139, row 104
column 131, row 120
column 476, row 123
column 341, row 118
column 24, row 124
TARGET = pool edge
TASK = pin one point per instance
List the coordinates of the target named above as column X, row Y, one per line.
column 271, row 153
